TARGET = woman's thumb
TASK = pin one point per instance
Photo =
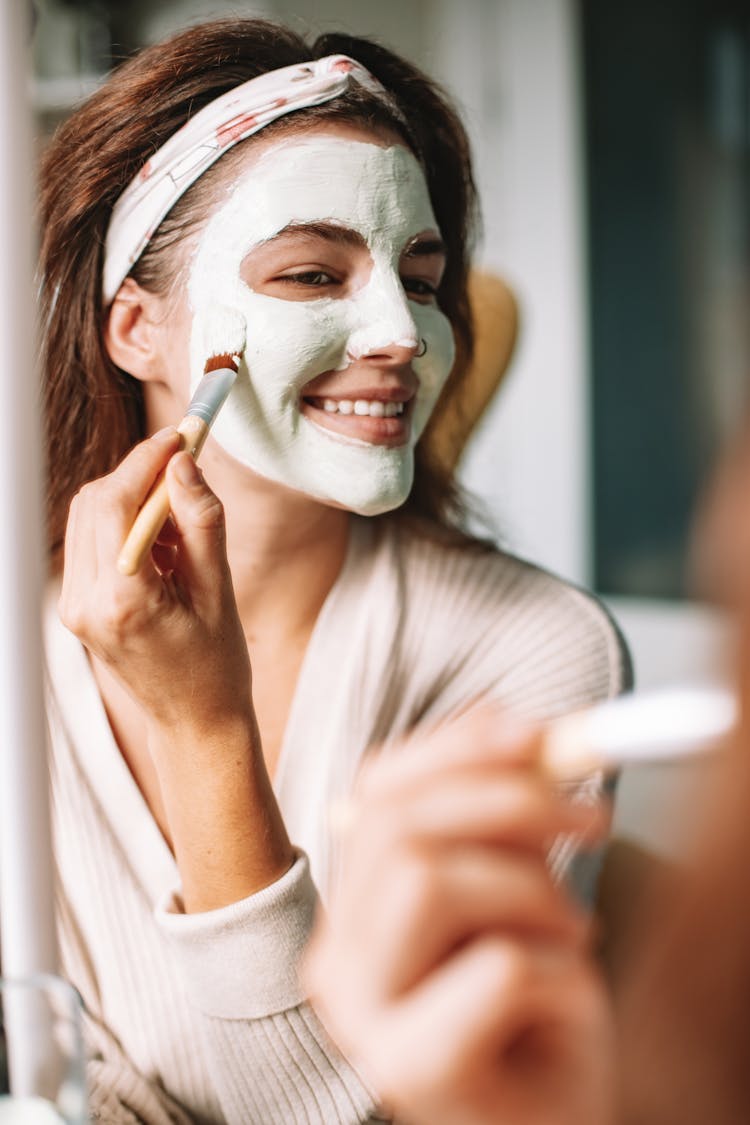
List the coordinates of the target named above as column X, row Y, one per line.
column 199, row 518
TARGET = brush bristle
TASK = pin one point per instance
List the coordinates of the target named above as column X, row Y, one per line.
column 223, row 331
column 219, row 362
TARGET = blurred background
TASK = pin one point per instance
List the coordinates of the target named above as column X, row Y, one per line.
column 612, row 143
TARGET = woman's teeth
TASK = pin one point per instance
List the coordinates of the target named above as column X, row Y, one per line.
column 372, row 407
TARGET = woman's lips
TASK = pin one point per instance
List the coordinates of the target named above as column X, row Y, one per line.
column 377, row 419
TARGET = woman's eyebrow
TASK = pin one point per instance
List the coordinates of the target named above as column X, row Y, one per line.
column 331, row 232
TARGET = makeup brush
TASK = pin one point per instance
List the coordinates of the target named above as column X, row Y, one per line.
column 656, row 726
column 224, row 342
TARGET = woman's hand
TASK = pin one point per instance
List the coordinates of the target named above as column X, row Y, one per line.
column 170, row 633
column 172, row 636
column 450, row 967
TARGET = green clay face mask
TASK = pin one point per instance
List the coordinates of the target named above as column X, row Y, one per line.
column 381, row 194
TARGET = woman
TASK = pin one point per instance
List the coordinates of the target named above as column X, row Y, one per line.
column 327, row 200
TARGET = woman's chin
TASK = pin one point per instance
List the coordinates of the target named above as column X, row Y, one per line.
column 377, row 507
column 357, row 476
column 370, row 502
column 382, row 492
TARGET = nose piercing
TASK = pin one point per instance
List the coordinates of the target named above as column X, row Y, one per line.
column 423, row 349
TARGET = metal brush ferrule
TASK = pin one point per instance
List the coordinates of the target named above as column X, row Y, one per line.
column 210, row 394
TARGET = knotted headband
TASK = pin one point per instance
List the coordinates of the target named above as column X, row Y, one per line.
column 205, row 137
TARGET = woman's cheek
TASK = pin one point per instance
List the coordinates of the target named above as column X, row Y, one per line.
column 433, row 368
column 289, row 343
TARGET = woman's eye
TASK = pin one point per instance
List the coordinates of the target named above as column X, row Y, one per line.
column 418, row 287
column 314, row 278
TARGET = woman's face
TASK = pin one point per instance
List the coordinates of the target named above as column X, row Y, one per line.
column 328, row 246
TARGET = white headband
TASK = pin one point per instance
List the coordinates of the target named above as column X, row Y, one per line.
column 204, row 138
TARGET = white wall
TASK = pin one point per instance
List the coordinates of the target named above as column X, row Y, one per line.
column 514, row 65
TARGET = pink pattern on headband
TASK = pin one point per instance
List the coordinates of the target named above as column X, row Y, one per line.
column 235, row 130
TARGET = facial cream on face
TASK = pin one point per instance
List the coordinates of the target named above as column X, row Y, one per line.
column 381, row 194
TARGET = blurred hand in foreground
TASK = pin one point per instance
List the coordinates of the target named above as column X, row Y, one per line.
column 451, row 968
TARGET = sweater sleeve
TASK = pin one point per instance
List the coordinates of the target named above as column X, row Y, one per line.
column 512, row 634
column 485, row 625
column 270, row 1057
column 119, row 1095
column 241, row 960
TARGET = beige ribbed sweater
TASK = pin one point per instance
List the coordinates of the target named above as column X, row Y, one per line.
column 200, row 1017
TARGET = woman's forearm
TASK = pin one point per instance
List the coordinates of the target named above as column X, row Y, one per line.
column 227, row 832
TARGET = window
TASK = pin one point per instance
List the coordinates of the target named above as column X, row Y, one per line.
column 667, row 95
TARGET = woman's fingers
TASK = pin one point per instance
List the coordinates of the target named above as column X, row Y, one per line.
column 487, row 737
column 75, row 551
column 102, row 512
column 461, row 851
column 528, row 1033
column 180, row 603
column 434, row 907
column 515, row 808
column 502, row 1027
column 93, row 592
column 198, row 517
column 118, row 497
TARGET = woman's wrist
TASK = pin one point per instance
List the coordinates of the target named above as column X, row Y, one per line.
column 198, row 733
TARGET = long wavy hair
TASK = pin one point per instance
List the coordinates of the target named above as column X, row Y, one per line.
column 94, row 410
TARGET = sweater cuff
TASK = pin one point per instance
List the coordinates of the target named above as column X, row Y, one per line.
column 241, row 961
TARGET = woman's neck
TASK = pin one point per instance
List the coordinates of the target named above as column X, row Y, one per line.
column 285, row 550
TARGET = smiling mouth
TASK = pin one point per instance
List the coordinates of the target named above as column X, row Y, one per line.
column 374, row 420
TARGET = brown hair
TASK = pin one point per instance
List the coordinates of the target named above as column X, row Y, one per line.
column 93, row 410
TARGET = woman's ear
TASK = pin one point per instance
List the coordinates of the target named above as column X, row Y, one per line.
column 133, row 332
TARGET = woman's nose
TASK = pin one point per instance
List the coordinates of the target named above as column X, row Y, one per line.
column 398, row 355
column 384, row 323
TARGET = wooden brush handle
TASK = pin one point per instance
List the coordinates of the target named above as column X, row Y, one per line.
column 153, row 514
